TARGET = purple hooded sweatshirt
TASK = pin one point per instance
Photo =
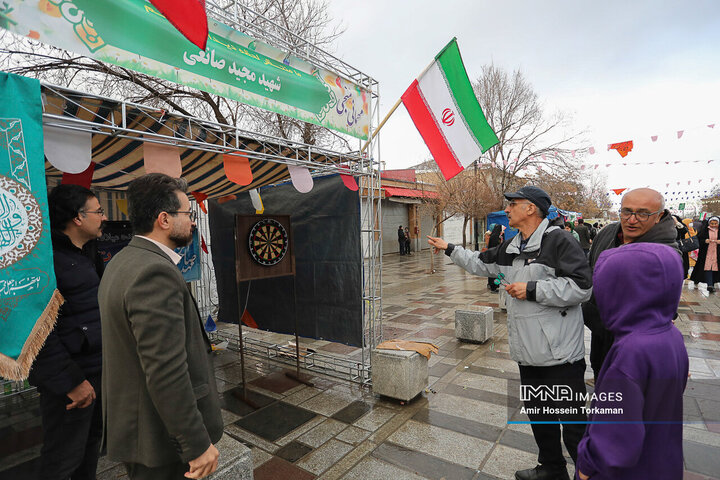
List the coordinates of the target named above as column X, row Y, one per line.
column 641, row 383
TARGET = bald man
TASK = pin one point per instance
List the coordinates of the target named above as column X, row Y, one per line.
column 643, row 218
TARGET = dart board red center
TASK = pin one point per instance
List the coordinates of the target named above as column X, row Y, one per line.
column 268, row 242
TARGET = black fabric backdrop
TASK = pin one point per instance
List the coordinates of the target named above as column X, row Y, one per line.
column 328, row 262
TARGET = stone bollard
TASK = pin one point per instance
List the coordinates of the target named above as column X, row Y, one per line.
column 502, row 300
column 398, row 374
column 474, row 324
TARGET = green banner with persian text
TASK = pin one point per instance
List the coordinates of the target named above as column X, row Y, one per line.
column 134, row 35
column 28, row 299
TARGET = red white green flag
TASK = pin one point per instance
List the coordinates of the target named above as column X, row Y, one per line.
column 443, row 106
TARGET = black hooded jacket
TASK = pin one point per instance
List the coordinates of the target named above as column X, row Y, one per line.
column 72, row 351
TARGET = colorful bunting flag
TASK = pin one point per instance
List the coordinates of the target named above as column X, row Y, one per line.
column 623, row 148
column 200, row 200
column 162, row 159
column 256, row 201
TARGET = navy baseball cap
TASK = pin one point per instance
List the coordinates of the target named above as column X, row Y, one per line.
column 536, row 195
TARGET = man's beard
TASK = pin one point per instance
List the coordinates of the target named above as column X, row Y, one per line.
column 181, row 240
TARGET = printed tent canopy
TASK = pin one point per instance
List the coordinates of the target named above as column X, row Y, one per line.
column 119, row 130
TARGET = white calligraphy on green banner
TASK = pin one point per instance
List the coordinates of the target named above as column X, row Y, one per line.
column 132, row 34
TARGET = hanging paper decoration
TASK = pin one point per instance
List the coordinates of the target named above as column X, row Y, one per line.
column 162, row 159
column 618, row 191
column 122, row 206
column 237, row 169
column 256, row 201
column 301, row 178
column 203, row 245
column 654, row 138
column 84, row 179
column 70, row 151
column 592, row 150
column 680, row 133
column 712, row 125
column 349, row 181
column 623, row 148
column 210, row 325
column 226, row 198
column 200, row 200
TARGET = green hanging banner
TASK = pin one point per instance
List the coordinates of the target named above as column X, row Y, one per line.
column 29, row 301
column 134, row 35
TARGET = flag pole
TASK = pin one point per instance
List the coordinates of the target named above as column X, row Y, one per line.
column 392, row 110
column 375, row 132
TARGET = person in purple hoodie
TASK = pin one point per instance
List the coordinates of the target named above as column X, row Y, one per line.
column 635, row 423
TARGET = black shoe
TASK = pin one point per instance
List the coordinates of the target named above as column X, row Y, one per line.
column 542, row 472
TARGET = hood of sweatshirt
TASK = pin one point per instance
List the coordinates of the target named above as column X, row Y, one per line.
column 637, row 287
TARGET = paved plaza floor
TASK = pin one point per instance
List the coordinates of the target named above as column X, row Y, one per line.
column 457, row 429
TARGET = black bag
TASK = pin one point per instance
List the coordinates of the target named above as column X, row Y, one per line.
column 687, row 245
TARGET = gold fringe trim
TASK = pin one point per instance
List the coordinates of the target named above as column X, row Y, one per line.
column 19, row 369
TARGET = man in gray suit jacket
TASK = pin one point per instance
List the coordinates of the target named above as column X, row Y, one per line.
column 160, row 405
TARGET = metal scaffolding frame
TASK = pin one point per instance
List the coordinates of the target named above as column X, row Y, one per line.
column 199, row 134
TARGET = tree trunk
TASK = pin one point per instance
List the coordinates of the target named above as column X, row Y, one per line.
column 465, row 222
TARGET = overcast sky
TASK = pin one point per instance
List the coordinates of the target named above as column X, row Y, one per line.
column 622, row 70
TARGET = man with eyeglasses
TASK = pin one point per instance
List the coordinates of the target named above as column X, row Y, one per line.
column 67, row 370
column 160, row 403
column 548, row 278
column 643, row 218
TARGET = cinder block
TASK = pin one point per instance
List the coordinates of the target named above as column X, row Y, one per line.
column 398, row 373
column 235, row 461
column 474, row 323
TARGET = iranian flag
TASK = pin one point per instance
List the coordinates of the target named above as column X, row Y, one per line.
column 443, row 106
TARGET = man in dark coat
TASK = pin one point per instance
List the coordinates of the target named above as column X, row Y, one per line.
column 160, row 403
column 584, row 235
column 401, row 239
column 643, row 218
column 67, row 370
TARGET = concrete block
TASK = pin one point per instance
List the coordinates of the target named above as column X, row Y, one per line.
column 235, row 461
column 474, row 323
column 398, row 374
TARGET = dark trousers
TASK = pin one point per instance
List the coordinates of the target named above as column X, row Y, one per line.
column 402, row 247
column 601, row 340
column 547, row 436
column 71, row 438
column 174, row 471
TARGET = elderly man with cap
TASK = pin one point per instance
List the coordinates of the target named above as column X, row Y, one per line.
column 547, row 279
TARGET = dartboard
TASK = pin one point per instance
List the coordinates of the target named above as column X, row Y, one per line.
column 268, row 242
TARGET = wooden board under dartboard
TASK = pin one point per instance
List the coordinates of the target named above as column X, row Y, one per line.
column 263, row 247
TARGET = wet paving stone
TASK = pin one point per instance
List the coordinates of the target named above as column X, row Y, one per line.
column 233, row 401
column 352, row 412
column 276, row 420
column 276, row 468
column 293, row 451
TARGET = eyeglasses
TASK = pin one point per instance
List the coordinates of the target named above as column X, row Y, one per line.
column 99, row 211
column 626, row 213
column 191, row 213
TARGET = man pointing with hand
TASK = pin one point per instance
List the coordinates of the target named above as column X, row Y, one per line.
column 548, row 278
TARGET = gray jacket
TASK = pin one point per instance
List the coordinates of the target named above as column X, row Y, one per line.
column 547, row 328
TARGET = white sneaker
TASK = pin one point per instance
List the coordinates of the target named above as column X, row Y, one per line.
column 691, row 285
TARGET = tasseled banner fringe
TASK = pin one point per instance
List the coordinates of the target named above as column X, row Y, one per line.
column 19, row 369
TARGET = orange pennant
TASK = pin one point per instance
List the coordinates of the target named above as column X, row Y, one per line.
column 200, row 199
column 623, row 148
column 237, row 169
column 618, row 191
column 227, row 198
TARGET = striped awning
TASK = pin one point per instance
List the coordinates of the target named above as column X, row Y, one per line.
column 119, row 130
